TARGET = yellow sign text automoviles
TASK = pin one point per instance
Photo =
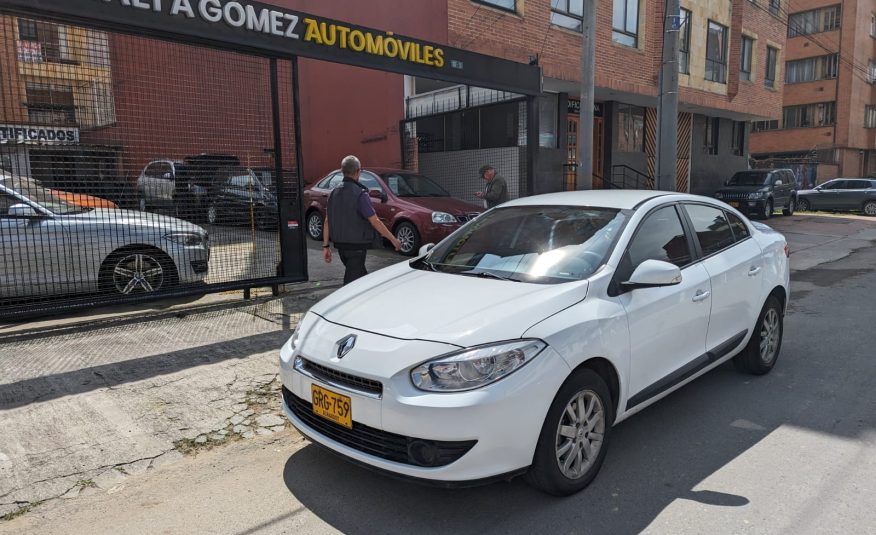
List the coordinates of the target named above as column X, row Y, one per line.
column 381, row 44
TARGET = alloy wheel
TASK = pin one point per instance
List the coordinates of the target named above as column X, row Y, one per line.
column 870, row 208
column 314, row 226
column 142, row 205
column 803, row 205
column 405, row 235
column 580, row 434
column 212, row 214
column 138, row 273
column 770, row 334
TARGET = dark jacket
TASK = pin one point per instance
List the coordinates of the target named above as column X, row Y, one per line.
column 346, row 226
column 496, row 191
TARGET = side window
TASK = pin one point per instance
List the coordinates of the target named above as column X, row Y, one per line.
column 335, row 181
column 152, row 170
column 240, row 181
column 836, row 184
column 6, row 201
column 711, row 227
column 660, row 237
column 161, row 169
column 861, row 184
column 740, row 231
column 370, row 181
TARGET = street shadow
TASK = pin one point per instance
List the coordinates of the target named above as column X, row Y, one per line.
column 666, row 453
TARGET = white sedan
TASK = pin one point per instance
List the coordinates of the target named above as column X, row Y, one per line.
column 516, row 343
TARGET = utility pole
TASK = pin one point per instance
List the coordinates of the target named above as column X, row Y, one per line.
column 667, row 101
column 588, row 77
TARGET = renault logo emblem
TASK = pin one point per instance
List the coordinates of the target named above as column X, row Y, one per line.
column 345, row 345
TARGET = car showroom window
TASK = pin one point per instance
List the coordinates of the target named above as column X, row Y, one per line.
column 660, row 237
column 740, row 231
column 711, row 227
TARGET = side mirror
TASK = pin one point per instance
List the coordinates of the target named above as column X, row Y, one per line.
column 377, row 194
column 653, row 274
column 424, row 250
column 778, row 183
column 22, row 211
column 817, row 188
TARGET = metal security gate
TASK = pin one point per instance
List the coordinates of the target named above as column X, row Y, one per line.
column 133, row 168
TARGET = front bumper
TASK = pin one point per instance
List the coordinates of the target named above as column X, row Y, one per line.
column 503, row 419
column 192, row 263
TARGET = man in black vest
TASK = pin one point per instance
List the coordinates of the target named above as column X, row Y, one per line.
column 354, row 223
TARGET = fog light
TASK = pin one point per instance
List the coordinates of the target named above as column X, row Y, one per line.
column 422, row 453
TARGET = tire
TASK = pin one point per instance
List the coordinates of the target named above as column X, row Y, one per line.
column 212, row 216
column 315, row 225
column 142, row 205
column 789, row 210
column 137, row 272
column 870, row 208
column 762, row 351
column 409, row 237
column 803, row 205
column 546, row 473
column 767, row 209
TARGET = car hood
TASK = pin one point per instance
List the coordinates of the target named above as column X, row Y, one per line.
column 443, row 204
column 134, row 219
column 740, row 189
column 410, row 304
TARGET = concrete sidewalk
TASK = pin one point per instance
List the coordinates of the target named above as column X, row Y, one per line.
column 88, row 405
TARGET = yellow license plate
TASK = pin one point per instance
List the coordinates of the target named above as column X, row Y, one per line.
column 331, row 406
column 734, row 204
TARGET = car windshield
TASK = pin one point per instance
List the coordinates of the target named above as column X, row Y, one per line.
column 748, row 179
column 46, row 198
column 541, row 244
column 405, row 185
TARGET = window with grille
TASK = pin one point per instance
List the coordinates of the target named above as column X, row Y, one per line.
column 716, row 53
column 568, row 14
column 684, row 42
column 871, row 71
column 738, row 139
column 625, row 22
column 630, row 128
column 809, row 115
column 824, row 19
column 772, row 58
column 811, row 69
column 747, row 50
column 775, row 7
column 869, row 116
column 710, row 139
column 50, row 104
column 43, row 42
column 763, row 126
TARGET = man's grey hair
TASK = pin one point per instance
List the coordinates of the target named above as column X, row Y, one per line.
column 350, row 165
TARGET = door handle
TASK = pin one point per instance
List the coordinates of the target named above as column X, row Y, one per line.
column 754, row 270
column 701, row 296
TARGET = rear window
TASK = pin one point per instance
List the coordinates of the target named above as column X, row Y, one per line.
column 711, row 227
column 740, row 231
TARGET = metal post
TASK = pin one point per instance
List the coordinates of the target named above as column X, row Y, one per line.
column 588, row 77
column 667, row 101
column 532, row 146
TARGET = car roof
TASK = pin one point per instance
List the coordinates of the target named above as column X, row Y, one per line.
column 626, row 199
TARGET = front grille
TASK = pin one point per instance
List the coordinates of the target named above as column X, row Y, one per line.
column 734, row 196
column 389, row 446
column 466, row 217
column 329, row 375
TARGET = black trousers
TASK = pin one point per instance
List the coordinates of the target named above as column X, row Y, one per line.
column 354, row 261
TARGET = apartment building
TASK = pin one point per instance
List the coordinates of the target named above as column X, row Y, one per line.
column 730, row 74
column 828, row 123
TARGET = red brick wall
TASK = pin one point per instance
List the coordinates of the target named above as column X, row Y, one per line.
column 491, row 31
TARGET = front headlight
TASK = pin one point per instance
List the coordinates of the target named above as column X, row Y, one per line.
column 474, row 367
column 442, row 217
column 188, row 239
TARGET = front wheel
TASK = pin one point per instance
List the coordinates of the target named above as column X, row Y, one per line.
column 137, row 272
column 409, row 237
column 870, row 208
column 762, row 351
column 574, row 437
column 212, row 214
column 767, row 209
column 789, row 210
column 803, row 205
column 314, row 225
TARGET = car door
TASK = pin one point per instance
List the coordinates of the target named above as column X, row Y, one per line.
column 826, row 197
column 776, row 182
column 667, row 325
column 735, row 265
column 381, row 208
column 853, row 194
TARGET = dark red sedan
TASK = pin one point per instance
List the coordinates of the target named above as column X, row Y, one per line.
column 415, row 208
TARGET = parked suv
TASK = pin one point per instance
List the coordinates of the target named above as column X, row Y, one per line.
column 181, row 186
column 842, row 195
column 415, row 208
column 761, row 192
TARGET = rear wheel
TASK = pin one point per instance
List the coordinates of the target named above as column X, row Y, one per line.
column 789, row 210
column 870, row 208
column 574, row 437
column 803, row 205
column 409, row 237
column 762, row 351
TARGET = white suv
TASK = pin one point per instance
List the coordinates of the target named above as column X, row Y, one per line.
column 516, row 343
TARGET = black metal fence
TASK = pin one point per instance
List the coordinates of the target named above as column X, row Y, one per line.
column 133, row 168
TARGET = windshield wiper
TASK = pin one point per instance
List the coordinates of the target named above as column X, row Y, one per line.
column 490, row 275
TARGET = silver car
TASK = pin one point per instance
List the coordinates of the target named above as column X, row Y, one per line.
column 51, row 244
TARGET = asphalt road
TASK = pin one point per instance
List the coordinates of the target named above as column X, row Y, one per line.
column 790, row 452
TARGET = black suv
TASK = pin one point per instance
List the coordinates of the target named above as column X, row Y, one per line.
column 184, row 186
column 761, row 192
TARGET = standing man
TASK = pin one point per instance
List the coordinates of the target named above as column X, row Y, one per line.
column 354, row 223
column 496, row 190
